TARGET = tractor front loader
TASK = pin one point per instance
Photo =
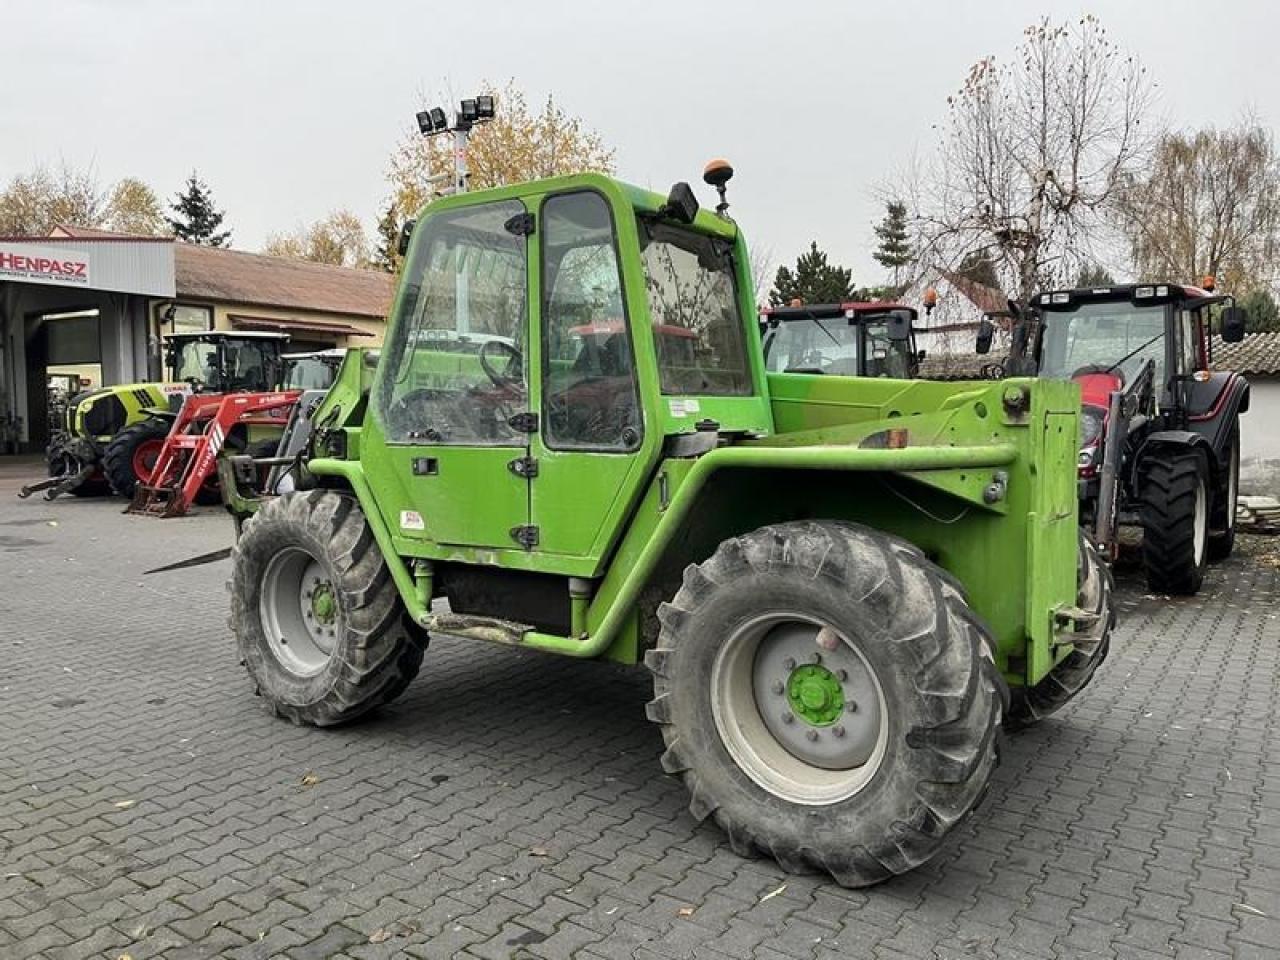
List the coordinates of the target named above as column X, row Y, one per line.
column 843, row 588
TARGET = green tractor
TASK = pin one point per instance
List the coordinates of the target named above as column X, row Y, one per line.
column 109, row 438
column 843, row 587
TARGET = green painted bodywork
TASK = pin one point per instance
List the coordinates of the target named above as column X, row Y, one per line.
column 981, row 476
column 139, row 401
column 815, row 695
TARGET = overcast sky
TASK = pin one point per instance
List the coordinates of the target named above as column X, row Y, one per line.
column 290, row 109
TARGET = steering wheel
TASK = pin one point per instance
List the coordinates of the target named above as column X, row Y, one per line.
column 514, row 357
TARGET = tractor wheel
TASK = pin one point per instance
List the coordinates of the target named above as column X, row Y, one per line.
column 1175, row 521
column 827, row 697
column 317, row 618
column 1072, row 674
column 132, row 453
column 1222, row 538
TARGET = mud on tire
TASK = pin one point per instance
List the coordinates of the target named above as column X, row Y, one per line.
column 939, row 714
column 319, row 538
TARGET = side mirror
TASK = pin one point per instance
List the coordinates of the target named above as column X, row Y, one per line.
column 920, row 355
column 986, row 332
column 681, row 204
column 1234, row 321
column 898, row 327
column 402, row 243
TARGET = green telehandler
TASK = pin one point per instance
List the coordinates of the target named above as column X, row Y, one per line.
column 843, row 587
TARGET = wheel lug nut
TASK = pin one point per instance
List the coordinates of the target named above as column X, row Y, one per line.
column 789, row 663
column 851, row 706
column 787, row 717
column 842, row 675
column 838, row 731
column 778, row 687
column 812, row 734
column 815, row 657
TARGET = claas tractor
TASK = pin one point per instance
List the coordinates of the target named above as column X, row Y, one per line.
column 1159, row 429
column 843, row 588
column 110, row 438
column 857, row 339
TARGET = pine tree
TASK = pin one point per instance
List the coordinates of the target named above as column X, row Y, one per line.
column 814, row 280
column 1092, row 275
column 894, row 252
column 387, row 254
column 198, row 219
column 1264, row 315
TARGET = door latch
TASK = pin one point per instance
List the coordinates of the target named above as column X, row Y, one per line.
column 526, row 422
column 526, row 536
column 526, row 467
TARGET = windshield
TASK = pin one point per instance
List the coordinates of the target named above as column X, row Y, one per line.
column 229, row 365
column 1099, row 335
column 693, row 306
column 833, row 346
column 310, row 373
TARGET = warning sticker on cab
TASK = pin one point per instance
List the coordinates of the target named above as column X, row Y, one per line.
column 411, row 520
column 683, row 406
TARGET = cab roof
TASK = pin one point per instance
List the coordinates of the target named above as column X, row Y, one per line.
column 852, row 309
column 1116, row 292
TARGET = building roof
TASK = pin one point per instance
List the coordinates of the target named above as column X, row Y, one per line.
column 1257, row 354
column 235, row 276
column 985, row 298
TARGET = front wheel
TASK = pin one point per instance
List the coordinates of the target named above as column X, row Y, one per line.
column 132, row 453
column 1175, row 521
column 828, row 698
column 317, row 618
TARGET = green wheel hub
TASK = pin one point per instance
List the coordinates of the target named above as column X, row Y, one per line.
column 815, row 694
column 324, row 606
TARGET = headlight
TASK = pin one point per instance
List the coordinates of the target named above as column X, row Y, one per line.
column 1092, row 421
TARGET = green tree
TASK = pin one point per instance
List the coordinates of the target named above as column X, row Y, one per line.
column 1092, row 275
column 894, row 251
column 814, row 280
column 386, row 256
column 1264, row 314
column 197, row 218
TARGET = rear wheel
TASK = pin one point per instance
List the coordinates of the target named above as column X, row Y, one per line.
column 317, row 618
column 1223, row 538
column 828, row 698
column 1090, row 644
column 1175, row 521
column 132, row 453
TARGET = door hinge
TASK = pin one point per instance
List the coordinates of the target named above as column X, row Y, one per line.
column 526, row 536
column 526, row 467
column 526, row 422
column 521, row 225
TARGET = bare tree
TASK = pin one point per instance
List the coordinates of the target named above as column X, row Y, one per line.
column 1207, row 204
column 1032, row 156
column 338, row 239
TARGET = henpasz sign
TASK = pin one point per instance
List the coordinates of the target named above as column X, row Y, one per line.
column 44, row 265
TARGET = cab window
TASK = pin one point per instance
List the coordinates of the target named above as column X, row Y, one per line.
column 693, row 306
column 456, row 371
column 589, row 392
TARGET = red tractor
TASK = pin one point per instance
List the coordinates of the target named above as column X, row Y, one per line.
column 1158, row 427
column 857, row 339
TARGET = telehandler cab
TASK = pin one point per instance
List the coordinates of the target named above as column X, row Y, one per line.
column 842, row 587
column 857, row 339
column 1159, row 430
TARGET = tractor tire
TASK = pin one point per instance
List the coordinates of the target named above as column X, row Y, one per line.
column 1073, row 673
column 1175, row 521
column 128, row 458
column 318, row 622
column 1222, row 533
column 828, row 697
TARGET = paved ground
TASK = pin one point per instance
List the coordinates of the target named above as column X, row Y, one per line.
column 511, row 805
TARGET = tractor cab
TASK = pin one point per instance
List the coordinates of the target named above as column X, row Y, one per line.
column 1159, row 429
column 856, row 339
column 217, row 361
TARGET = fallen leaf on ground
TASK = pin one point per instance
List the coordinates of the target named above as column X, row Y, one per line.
column 685, row 912
column 310, row 780
column 773, row 893
column 539, row 852
column 124, row 804
column 1248, row 909
column 381, row 935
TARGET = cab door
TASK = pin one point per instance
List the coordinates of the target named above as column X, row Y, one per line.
column 452, row 399
column 591, row 429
